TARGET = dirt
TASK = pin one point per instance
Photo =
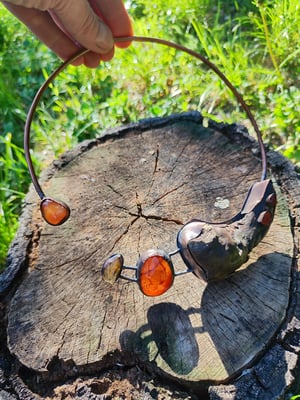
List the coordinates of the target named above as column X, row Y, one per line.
column 130, row 384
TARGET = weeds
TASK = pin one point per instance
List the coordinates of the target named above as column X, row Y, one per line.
column 14, row 181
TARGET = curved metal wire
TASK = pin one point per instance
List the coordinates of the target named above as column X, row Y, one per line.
column 144, row 39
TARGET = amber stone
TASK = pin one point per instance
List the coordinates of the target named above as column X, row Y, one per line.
column 265, row 218
column 155, row 273
column 54, row 212
column 112, row 268
column 271, row 200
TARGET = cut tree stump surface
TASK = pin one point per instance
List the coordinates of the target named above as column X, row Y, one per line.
column 131, row 191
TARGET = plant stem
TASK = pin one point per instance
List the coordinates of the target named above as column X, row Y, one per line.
column 268, row 40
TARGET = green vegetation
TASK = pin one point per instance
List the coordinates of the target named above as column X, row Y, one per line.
column 256, row 44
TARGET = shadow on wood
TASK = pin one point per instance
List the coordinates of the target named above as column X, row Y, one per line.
column 130, row 191
column 232, row 325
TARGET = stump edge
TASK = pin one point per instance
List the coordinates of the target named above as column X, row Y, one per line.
column 286, row 344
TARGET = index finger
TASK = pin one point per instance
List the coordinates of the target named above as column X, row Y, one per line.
column 114, row 14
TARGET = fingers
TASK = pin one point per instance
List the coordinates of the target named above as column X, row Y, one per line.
column 93, row 24
column 78, row 19
column 115, row 16
column 70, row 25
column 43, row 26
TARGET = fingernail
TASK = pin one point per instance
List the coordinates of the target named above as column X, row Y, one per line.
column 104, row 39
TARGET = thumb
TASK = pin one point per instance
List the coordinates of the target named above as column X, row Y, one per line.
column 78, row 19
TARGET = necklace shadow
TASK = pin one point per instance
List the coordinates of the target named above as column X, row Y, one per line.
column 223, row 331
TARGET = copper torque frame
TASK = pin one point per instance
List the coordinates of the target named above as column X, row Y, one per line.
column 255, row 216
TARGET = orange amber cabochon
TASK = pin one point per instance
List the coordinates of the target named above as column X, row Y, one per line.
column 265, row 218
column 156, row 275
column 54, row 212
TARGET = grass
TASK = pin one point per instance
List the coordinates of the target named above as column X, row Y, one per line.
column 14, row 182
column 254, row 43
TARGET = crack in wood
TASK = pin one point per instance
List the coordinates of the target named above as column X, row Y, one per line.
column 167, row 193
column 43, row 268
column 228, row 318
column 164, row 219
column 141, row 214
column 114, row 190
column 125, row 231
column 62, row 342
column 100, row 336
column 156, row 160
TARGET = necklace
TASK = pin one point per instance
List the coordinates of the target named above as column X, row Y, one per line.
column 209, row 250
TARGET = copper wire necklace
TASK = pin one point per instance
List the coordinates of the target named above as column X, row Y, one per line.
column 209, row 250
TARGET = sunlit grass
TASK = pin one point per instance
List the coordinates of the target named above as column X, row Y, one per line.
column 13, row 184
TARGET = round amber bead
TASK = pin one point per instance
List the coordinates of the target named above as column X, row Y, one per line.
column 155, row 273
column 54, row 212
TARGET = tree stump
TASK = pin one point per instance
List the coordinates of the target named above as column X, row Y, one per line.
column 129, row 191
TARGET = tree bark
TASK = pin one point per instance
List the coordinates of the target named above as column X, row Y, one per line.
column 130, row 191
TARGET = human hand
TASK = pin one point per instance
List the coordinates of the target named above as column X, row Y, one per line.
column 67, row 25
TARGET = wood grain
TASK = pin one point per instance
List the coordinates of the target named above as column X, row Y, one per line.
column 129, row 192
